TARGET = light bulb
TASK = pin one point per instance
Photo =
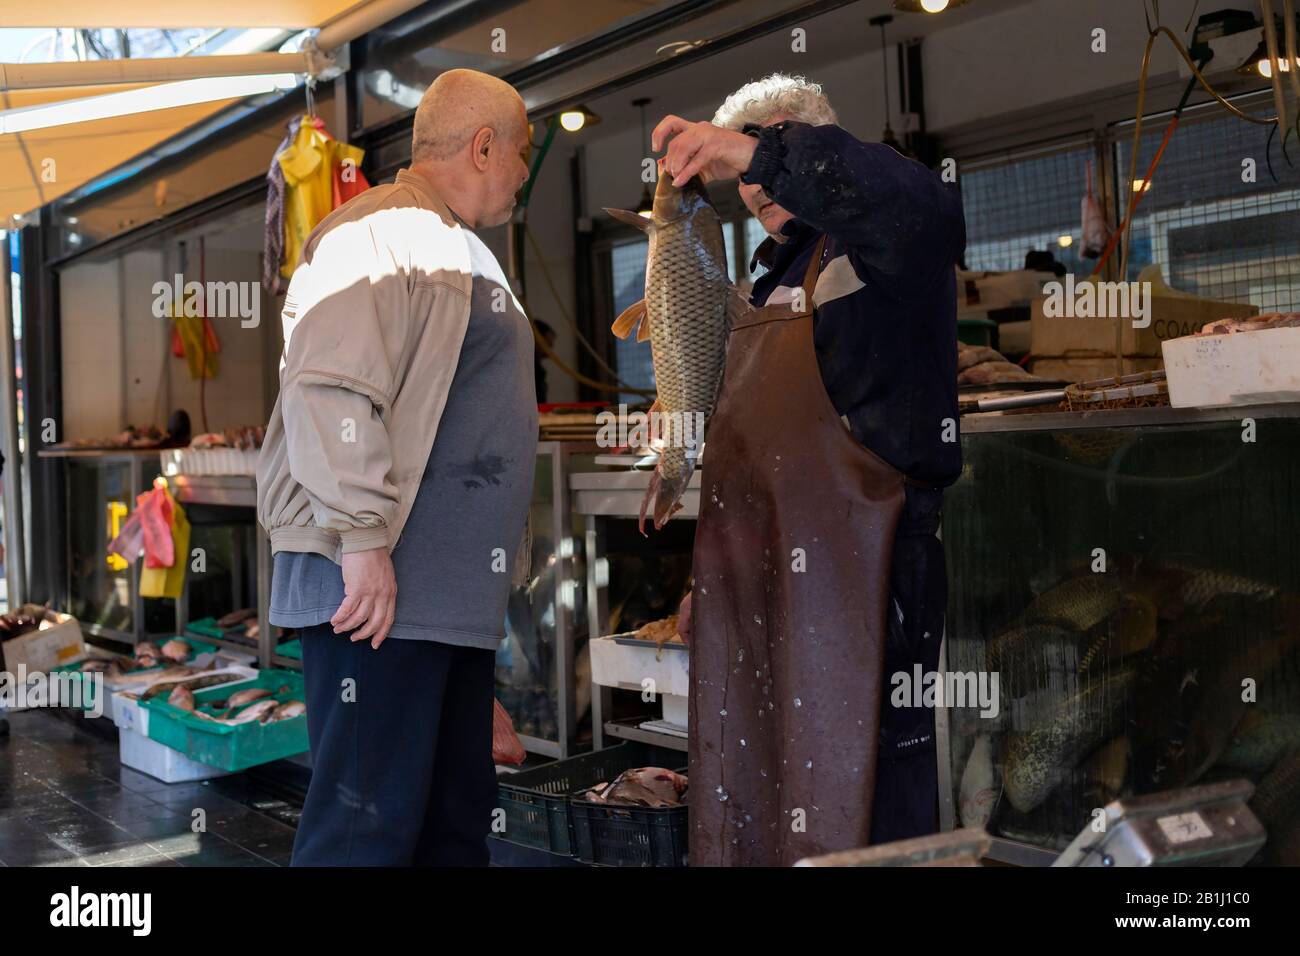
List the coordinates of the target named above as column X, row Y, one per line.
column 1265, row 67
column 1065, row 242
column 573, row 120
column 934, row 6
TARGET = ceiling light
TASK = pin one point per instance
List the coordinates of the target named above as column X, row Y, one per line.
column 1065, row 242
column 927, row 6
column 1141, row 186
column 159, row 97
column 1258, row 63
column 577, row 118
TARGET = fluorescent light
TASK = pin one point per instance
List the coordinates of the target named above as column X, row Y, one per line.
column 160, row 97
column 253, row 40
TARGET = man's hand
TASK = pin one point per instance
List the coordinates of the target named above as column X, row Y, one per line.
column 371, row 596
column 713, row 151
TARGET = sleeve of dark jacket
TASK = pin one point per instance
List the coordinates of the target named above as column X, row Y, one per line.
column 901, row 219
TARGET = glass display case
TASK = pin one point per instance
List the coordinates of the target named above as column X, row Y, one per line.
column 103, row 588
column 546, row 619
column 1132, row 578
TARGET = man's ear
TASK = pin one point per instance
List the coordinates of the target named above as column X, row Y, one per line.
column 483, row 139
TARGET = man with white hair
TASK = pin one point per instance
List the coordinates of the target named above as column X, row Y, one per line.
column 834, row 435
column 395, row 481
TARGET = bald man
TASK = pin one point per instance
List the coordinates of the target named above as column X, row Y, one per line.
column 395, row 482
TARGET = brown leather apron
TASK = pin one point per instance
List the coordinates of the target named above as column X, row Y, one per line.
column 791, row 566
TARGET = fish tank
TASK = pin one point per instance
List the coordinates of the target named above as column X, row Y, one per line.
column 1132, row 578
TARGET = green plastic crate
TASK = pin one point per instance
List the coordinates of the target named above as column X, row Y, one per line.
column 88, row 695
column 976, row 331
column 232, row 747
column 207, row 627
column 292, row 649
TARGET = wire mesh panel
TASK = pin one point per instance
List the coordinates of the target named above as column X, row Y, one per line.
column 1213, row 216
column 1024, row 202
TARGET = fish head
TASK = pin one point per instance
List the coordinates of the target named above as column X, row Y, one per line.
column 672, row 203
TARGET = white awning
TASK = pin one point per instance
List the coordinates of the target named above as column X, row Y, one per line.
column 41, row 162
column 124, row 14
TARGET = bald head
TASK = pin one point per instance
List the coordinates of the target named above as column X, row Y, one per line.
column 456, row 106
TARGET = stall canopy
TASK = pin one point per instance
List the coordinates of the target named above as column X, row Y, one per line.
column 44, row 158
column 296, row 14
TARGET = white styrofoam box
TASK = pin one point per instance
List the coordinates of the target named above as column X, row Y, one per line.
column 676, row 706
column 625, row 666
column 138, row 752
column 1237, row 368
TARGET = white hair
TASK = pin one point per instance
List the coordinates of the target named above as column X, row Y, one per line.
column 780, row 94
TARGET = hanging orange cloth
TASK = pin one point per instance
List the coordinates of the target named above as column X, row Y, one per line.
column 194, row 339
column 163, row 574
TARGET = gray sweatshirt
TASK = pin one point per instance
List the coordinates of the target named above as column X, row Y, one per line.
column 453, row 561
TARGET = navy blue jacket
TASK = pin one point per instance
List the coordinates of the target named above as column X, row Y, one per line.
column 886, row 341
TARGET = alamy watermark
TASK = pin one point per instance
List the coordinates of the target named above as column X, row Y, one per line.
column 922, row 688
column 624, row 429
column 1098, row 300
column 213, row 300
column 65, row 689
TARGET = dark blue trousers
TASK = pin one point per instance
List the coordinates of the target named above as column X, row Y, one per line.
column 401, row 746
column 907, row 774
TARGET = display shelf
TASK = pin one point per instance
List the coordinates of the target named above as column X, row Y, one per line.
column 628, row 729
column 618, row 494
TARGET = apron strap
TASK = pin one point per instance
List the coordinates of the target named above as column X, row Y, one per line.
column 810, row 277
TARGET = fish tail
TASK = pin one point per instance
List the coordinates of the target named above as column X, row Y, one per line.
column 666, row 492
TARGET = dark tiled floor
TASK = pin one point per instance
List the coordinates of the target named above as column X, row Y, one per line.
column 66, row 800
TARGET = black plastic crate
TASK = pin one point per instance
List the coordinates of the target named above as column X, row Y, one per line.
column 536, row 801
column 629, row 836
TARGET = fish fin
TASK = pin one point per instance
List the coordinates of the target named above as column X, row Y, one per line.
column 668, row 495
column 737, row 305
column 650, row 492
column 643, row 331
column 630, row 218
column 629, row 318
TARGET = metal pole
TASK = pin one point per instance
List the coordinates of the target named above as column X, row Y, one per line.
column 24, row 76
column 14, row 538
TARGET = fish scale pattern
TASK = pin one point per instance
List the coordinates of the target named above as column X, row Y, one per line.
column 686, row 295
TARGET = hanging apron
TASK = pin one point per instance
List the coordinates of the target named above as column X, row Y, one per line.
column 792, row 565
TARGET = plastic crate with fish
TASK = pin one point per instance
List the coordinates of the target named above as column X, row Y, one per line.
column 199, row 655
column 236, row 735
column 616, row 831
column 1141, row 610
column 536, row 801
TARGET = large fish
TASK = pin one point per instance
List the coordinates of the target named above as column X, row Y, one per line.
column 685, row 314
column 1046, row 750
column 1260, row 739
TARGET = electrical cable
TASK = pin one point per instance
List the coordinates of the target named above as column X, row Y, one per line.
column 564, row 312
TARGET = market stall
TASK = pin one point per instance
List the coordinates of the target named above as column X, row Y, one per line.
column 1123, row 596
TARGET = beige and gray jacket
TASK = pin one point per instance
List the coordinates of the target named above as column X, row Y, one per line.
column 361, row 396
